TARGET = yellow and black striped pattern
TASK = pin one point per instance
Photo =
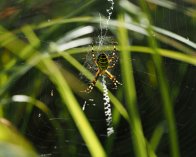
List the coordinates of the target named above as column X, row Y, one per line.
column 102, row 61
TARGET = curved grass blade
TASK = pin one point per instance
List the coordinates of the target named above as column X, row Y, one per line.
column 139, row 142
column 83, row 70
column 164, row 90
column 160, row 33
column 12, row 143
column 47, row 66
column 187, row 58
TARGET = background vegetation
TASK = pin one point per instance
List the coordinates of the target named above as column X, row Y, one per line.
column 43, row 47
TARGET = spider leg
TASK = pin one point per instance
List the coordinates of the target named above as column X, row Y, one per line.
column 92, row 84
column 113, row 59
column 113, row 78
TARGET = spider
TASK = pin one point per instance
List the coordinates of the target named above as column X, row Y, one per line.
column 103, row 62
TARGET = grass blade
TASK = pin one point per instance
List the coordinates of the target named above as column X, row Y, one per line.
column 130, row 95
column 164, row 90
column 47, row 66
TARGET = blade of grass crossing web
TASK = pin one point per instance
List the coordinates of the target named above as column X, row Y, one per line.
column 47, row 66
column 85, row 129
column 187, row 58
column 34, row 42
column 130, row 94
column 156, row 136
column 164, row 90
column 78, row 66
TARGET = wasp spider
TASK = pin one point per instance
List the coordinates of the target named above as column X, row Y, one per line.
column 103, row 62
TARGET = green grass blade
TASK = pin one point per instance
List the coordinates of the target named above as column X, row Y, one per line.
column 12, row 143
column 47, row 66
column 30, row 100
column 187, row 58
column 156, row 137
column 80, row 9
column 62, row 21
column 130, row 95
column 83, row 70
column 83, row 125
column 164, row 90
column 161, row 34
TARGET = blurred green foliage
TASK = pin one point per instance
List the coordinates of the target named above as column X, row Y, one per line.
column 42, row 49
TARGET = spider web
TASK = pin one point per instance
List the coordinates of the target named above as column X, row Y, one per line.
column 45, row 137
column 101, row 42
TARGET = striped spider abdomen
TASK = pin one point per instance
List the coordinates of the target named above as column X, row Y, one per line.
column 102, row 61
